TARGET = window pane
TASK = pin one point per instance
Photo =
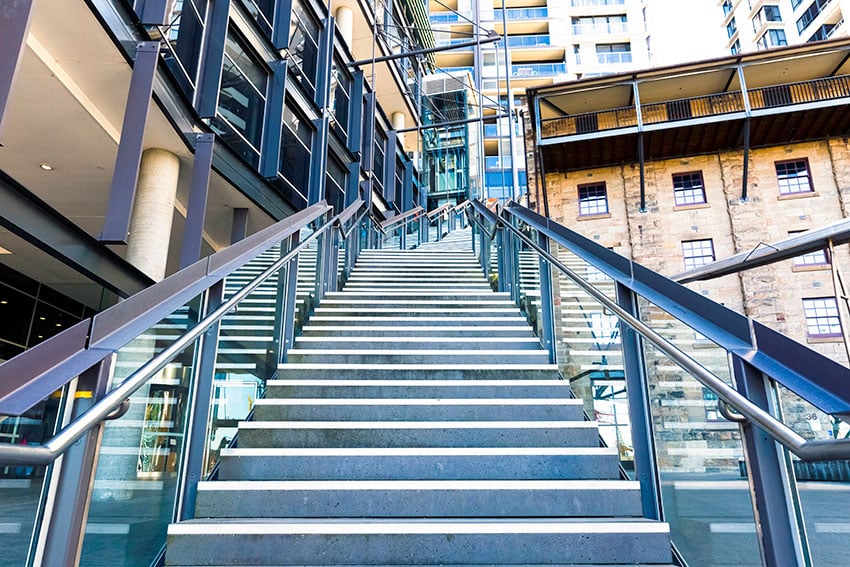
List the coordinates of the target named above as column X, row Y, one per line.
column 592, row 199
column 822, row 317
column 793, row 177
column 688, row 188
column 697, row 253
column 295, row 150
column 304, row 46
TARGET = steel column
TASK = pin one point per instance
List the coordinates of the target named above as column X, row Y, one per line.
column 63, row 535
column 193, row 233
column 127, row 162
column 547, row 314
column 772, row 485
column 746, row 173
column 209, row 79
column 153, row 12
column 282, row 19
column 357, row 104
column 640, row 413
column 15, row 18
column 193, row 470
column 239, row 225
column 270, row 148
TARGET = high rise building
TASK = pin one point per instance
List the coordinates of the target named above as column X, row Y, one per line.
column 550, row 41
column 757, row 25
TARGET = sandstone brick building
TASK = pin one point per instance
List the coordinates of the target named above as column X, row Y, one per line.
column 678, row 167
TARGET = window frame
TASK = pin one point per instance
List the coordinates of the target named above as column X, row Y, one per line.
column 817, row 319
column 784, row 180
column 690, row 259
column 688, row 193
column 588, row 205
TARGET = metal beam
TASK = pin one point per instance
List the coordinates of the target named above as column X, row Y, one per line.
column 193, row 234
column 127, row 162
column 492, row 37
column 25, row 215
column 809, row 241
column 15, row 18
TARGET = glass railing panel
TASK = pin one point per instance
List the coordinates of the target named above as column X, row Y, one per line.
column 22, row 486
column 705, row 493
column 135, row 486
column 589, row 350
column 413, row 231
column 823, row 486
column 392, row 239
column 340, row 260
column 528, row 277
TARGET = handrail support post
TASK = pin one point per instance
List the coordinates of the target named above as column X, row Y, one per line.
column 640, row 411
column 76, row 469
column 772, row 483
column 547, row 308
column 192, row 469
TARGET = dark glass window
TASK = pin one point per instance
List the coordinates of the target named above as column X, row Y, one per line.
column 731, row 28
column 592, row 199
column 263, row 12
column 340, row 100
column 337, row 181
column 304, row 46
column 297, row 139
column 688, row 188
column 697, row 253
column 793, row 177
column 379, row 151
column 242, row 100
column 183, row 47
column 777, row 38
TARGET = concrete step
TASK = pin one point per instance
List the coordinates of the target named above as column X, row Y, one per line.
column 389, row 341
column 416, row 356
column 414, row 312
column 418, row 499
column 438, row 332
column 389, row 388
column 254, row 434
column 406, row 320
column 447, row 463
column 431, row 542
column 418, row 409
column 296, row 371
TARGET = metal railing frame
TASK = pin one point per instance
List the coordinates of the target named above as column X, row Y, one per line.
column 759, row 358
column 82, row 357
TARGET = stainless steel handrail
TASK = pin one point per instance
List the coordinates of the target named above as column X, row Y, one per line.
column 391, row 222
column 805, row 449
column 101, row 410
column 439, row 210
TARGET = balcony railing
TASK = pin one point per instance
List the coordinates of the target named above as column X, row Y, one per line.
column 538, row 69
column 609, row 28
column 708, row 105
column 522, row 14
column 529, row 40
column 614, row 58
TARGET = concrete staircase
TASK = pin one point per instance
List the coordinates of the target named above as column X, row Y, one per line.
column 417, row 421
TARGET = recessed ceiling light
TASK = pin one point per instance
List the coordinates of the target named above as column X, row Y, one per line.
column 3, row 302
column 45, row 166
column 4, row 251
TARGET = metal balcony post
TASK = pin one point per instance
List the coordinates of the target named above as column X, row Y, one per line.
column 402, row 235
column 62, row 537
column 193, row 470
column 547, row 308
column 772, row 483
column 640, row 416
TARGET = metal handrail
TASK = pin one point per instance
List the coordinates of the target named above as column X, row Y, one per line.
column 806, row 450
column 391, row 222
column 439, row 210
column 810, row 241
column 101, row 410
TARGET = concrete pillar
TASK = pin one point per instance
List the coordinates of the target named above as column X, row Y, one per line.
column 345, row 22
column 153, row 211
column 397, row 119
